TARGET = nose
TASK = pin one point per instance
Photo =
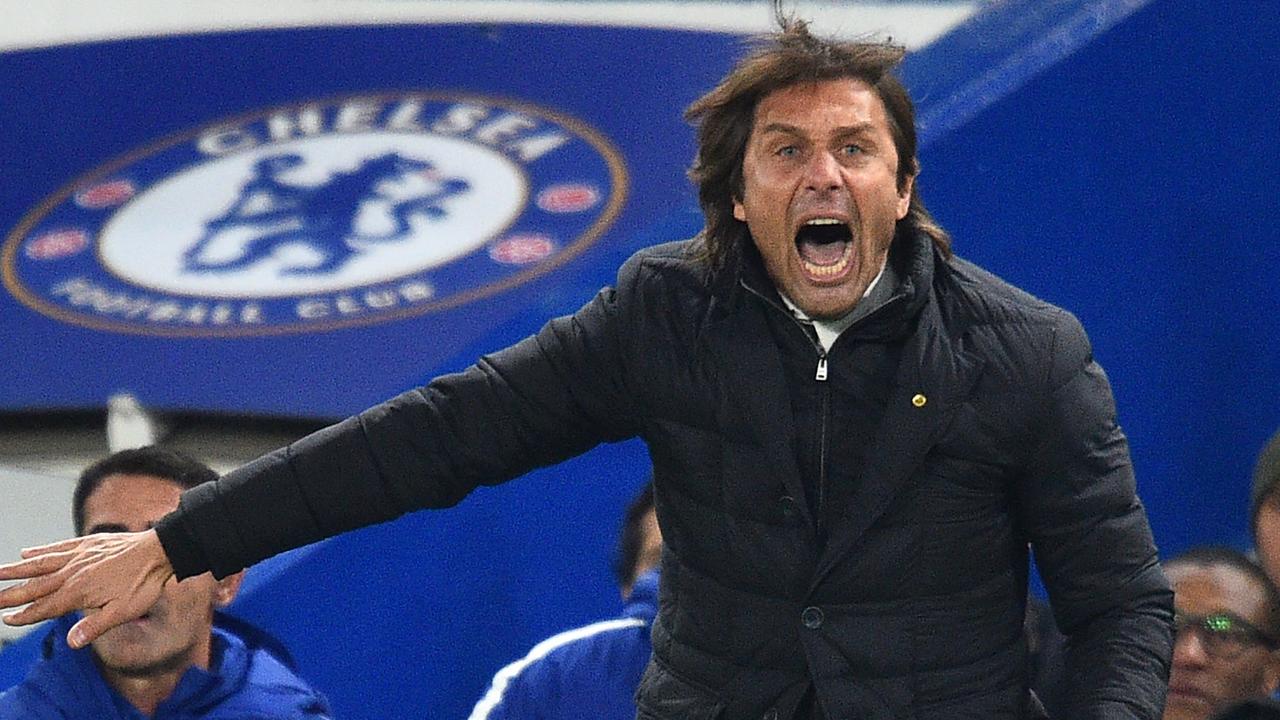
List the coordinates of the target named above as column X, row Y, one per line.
column 1188, row 649
column 823, row 173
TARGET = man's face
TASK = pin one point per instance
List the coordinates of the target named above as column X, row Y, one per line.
column 175, row 632
column 820, row 192
column 1203, row 683
column 1267, row 537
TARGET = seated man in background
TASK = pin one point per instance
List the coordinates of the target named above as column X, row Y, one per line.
column 592, row 671
column 1227, row 620
column 1264, row 523
column 174, row 661
column 1264, row 508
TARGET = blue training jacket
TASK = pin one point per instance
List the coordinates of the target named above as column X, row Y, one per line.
column 245, row 681
column 589, row 672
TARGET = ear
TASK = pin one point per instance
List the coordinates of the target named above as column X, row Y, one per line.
column 739, row 211
column 1271, row 674
column 227, row 589
column 904, row 196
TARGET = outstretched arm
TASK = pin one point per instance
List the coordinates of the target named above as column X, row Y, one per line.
column 116, row 577
column 545, row 399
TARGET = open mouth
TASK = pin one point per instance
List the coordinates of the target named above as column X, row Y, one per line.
column 825, row 246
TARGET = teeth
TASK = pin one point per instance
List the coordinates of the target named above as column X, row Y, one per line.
column 824, row 221
column 826, row 271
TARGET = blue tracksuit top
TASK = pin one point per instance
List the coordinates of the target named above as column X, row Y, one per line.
column 243, row 682
column 589, row 672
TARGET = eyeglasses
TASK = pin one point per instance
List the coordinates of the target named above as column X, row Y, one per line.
column 1223, row 635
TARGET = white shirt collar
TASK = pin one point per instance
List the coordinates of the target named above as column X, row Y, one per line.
column 829, row 330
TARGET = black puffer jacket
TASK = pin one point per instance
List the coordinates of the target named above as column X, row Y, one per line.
column 998, row 431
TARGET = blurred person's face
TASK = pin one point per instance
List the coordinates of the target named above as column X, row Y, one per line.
column 651, row 547
column 650, row 554
column 1219, row 655
column 1267, row 538
column 175, row 633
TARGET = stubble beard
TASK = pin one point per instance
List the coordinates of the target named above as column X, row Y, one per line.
column 172, row 662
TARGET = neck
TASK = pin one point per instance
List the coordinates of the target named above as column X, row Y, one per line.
column 144, row 693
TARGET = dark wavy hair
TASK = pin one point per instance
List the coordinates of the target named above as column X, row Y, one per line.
column 153, row 460
column 724, row 118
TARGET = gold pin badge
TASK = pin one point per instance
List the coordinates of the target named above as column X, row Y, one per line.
column 919, row 400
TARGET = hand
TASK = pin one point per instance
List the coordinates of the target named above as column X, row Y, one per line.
column 120, row 575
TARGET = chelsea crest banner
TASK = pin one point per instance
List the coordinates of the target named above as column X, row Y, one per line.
column 302, row 222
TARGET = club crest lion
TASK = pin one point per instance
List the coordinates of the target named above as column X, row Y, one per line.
column 318, row 215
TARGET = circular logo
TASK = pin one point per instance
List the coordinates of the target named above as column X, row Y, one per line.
column 57, row 244
column 104, row 195
column 522, row 249
column 319, row 215
column 568, row 198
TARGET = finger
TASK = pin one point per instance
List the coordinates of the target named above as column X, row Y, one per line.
column 29, row 591
column 58, row 546
column 37, row 565
column 34, row 567
column 91, row 627
column 79, row 634
column 44, row 608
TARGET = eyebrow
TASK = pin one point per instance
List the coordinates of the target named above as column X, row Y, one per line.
column 112, row 528
column 107, row 528
column 864, row 129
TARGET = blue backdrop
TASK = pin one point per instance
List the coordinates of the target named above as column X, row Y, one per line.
column 1131, row 181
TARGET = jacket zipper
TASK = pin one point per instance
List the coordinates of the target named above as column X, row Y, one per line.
column 822, row 449
column 820, row 375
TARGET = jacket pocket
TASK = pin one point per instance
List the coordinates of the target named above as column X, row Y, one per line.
column 664, row 696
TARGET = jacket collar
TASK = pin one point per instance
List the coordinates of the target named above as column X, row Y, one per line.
column 933, row 378
column 911, row 256
column 642, row 603
column 199, row 691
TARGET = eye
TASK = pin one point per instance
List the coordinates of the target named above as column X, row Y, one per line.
column 851, row 149
column 787, row 151
column 1219, row 623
